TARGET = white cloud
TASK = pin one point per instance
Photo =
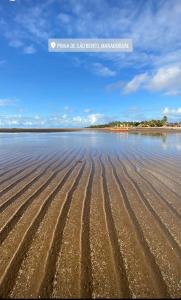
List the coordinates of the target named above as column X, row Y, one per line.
column 95, row 118
column 20, row 121
column 87, row 110
column 29, row 49
column 29, row 24
column 102, row 70
column 53, row 121
column 33, row 20
column 66, row 108
column 172, row 112
column 166, row 80
column 152, row 26
column 15, row 42
column 97, row 68
column 91, row 119
column 78, row 120
column 7, row 102
column 64, row 18
column 135, row 83
column 114, row 86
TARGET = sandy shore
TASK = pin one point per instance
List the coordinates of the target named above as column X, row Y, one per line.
column 143, row 129
column 19, row 130
column 156, row 129
column 131, row 129
column 79, row 223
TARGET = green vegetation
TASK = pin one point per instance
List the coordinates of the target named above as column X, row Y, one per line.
column 148, row 123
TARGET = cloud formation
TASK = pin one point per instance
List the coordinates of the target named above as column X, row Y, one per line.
column 155, row 61
column 172, row 112
column 7, row 102
column 29, row 49
column 155, row 43
column 64, row 120
column 134, row 84
column 158, row 38
column 166, row 80
column 102, row 70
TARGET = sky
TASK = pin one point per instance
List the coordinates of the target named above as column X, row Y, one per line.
column 43, row 89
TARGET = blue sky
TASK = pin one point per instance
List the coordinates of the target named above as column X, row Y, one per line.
column 42, row 89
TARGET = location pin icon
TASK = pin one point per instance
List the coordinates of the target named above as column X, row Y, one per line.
column 53, row 45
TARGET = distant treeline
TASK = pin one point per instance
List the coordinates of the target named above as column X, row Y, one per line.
column 148, row 123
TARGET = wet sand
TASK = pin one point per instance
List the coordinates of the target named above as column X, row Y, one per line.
column 34, row 130
column 148, row 130
column 79, row 221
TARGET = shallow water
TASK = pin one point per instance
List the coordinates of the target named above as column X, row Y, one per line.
column 90, row 200
column 103, row 142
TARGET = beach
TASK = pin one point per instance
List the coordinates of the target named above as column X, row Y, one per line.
column 90, row 214
column 130, row 129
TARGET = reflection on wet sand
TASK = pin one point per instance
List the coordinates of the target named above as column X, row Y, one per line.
column 90, row 215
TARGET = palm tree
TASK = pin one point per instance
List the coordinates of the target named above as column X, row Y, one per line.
column 165, row 119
